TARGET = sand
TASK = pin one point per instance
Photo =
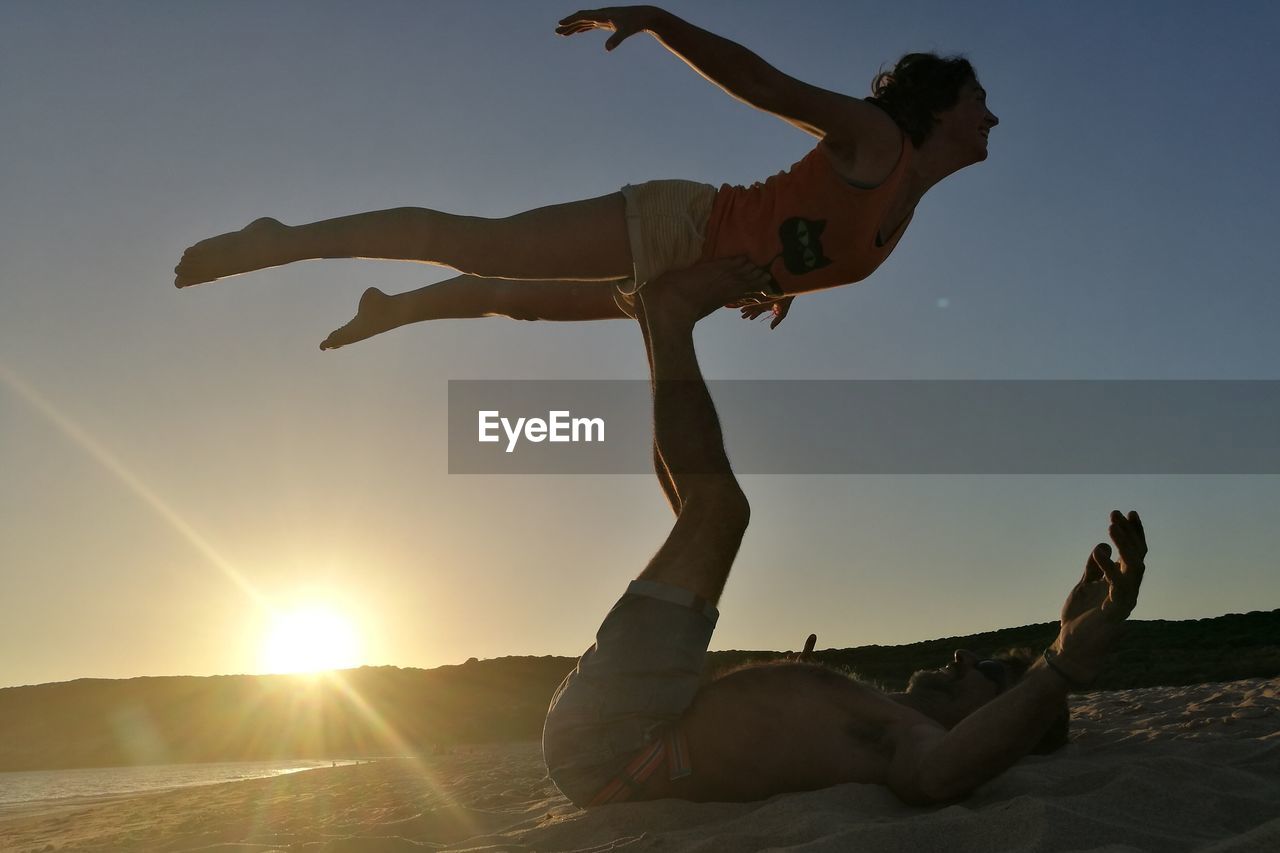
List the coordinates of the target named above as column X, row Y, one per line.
column 1157, row 769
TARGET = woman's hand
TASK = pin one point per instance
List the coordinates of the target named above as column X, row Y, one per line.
column 622, row 21
column 777, row 307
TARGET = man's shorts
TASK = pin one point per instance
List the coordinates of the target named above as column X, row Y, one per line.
column 667, row 224
column 628, row 690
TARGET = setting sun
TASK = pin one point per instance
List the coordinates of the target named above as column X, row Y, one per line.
column 311, row 639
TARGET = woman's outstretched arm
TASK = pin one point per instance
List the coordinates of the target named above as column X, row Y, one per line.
column 745, row 76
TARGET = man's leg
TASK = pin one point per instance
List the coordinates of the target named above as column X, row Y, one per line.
column 680, row 299
column 611, row 719
column 712, row 511
column 659, row 464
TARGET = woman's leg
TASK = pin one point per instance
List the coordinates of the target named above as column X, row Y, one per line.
column 467, row 296
column 581, row 241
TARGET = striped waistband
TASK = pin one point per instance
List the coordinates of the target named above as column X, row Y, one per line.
column 672, row 749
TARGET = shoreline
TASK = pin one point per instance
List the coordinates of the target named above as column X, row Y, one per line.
column 275, row 769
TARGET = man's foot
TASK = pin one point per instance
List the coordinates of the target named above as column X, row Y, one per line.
column 260, row 244
column 374, row 316
column 688, row 295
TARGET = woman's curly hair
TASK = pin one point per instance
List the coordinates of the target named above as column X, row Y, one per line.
column 918, row 86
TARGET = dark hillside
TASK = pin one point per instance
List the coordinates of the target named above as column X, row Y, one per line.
column 386, row 710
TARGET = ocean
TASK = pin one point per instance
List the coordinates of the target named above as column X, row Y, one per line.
column 41, row 785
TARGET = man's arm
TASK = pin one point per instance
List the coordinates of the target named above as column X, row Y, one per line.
column 748, row 78
column 931, row 765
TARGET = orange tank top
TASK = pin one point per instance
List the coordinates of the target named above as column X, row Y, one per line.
column 808, row 225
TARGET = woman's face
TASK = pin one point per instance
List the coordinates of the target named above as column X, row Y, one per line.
column 967, row 125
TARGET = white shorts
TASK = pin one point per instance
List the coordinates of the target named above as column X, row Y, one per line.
column 667, row 224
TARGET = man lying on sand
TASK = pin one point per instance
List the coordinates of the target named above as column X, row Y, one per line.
column 632, row 720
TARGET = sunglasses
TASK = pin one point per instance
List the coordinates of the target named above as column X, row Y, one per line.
column 995, row 671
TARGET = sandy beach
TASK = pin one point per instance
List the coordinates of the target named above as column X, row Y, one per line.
column 1155, row 769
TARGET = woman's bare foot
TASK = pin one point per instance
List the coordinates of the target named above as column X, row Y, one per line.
column 261, row 244
column 374, row 316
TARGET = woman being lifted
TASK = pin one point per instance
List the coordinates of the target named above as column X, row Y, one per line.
column 829, row 220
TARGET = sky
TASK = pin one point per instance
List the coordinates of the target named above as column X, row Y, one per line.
column 182, row 467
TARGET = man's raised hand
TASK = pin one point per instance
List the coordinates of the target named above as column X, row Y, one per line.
column 1094, row 613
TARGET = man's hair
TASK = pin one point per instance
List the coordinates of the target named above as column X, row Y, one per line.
column 918, row 86
column 1017, row 662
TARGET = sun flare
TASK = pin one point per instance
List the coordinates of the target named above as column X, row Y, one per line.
column 311, row 639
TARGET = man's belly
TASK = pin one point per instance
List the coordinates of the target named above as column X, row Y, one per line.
column 760, row 732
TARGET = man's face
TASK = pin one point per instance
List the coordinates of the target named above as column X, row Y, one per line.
column 953, row 692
